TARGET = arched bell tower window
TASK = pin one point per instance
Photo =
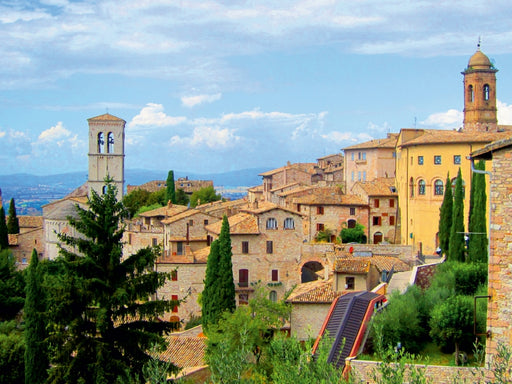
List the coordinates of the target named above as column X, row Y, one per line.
column 101, row 142
column 110, row 142
column 486, row 92
column 471, row 94
column 411, row 187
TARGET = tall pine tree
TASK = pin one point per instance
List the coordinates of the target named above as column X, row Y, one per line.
column 13, row 224
column 4, row 237
column 227, row 284
column 36, row 352
column 477, row 228
column 170, row 191
column 103, row 322
column 445, row 218
column 457, row 245
column 210, row 307
column 219, row 287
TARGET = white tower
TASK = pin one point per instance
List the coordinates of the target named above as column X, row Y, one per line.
column 106, row 153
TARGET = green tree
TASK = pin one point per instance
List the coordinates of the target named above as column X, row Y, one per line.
column 226, row 281
column 353, row 235
column 456, row 247
column 477, row 228
column 170, row 190
column 157, row 197
column 36, row 353
column 13, row 224
column 103, row 323
column 4, row 237
column 181, row 197
column 12, row 287
column 324, row 236
column 12, row 348
column 134, row 200
column 445, row 217
column 210, row 308
column 238, row 346
column 203, row 196
column 451, row 322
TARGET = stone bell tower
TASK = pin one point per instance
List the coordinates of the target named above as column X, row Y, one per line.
column 106, row 153
column 480, row 113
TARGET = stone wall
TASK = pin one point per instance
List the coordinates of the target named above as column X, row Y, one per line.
column 307, row 319
column 363, row 371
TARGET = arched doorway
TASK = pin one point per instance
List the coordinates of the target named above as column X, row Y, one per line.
column 311, row 271
column 377, row 237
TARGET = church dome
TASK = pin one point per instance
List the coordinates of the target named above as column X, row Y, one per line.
column 479, row 60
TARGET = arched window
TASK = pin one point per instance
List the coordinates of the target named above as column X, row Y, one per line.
column 110, row 142
column 421, row 187
column 411, row 186
column 289, row 223
column 438, row 188
column 271, row 223
column 273, row 296
column 101, row 142
column 471, row 94
column 104, row 190
column 486, row 92
column 454, row 182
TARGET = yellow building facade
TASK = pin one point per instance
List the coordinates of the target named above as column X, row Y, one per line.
column 425, row 157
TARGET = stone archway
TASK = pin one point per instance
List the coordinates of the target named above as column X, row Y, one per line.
column 311, row 271
column 377, row 237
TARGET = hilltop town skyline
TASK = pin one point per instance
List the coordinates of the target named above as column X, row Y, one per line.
column 213, row 87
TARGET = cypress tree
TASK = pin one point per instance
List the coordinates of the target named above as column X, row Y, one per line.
column 36, row 357
column 170, row 191
column 445, row 217
column 210, row 307
column 13, row 225
column 477, row 228
column 227, row 284
column 4, row 237
column 104, row 323
column 456, row 246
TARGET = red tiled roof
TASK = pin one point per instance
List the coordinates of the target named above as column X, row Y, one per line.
column 241, row 223
column 30, row 221
column 355, row 263
column 304, row 167
column 352, row 265
column 388, row 142
column 181, row 215
column 329, row 196
column 378, row 187
column 319, row 291
column 184, row 351
column 438, row 136
column 105, row 117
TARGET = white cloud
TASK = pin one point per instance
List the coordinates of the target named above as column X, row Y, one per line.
column 445, row 120
column 56, row 133
column 192, row 101
column 2, row 134
column 212, row 137
column 504, row 113
column 338, row 137
column 153, row 115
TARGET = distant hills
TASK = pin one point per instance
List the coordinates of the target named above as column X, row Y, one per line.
column 33, row 191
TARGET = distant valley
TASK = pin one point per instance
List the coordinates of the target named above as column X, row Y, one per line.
column 31, row 192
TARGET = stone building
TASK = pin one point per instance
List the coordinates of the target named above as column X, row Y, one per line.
column 327, row 208
column 382, row 200
column 187, row 185
column 29, row 238
column 301, row 173
column 499, row 303
column 370, row 160
column 267, row 247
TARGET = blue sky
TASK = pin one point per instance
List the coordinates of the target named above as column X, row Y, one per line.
column 218, row 85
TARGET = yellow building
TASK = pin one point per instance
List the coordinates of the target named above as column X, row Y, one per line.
column 425, row 157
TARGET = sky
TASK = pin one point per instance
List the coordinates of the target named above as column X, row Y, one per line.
column 211, row 86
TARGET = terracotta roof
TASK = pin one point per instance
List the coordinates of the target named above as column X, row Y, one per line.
column 241, row 224
column 185, row 351
column 304, row 167
column 352, row 265
column 319, row 291
column 216, row 205
column 166, row 211
column 300, row 189
column 382, row 263
column 388, row 142
column 439, row 137
column 81, row 191
column 256, row 188
column 336, row 155
column 30, row 221
column 285, row 186
column 201, row 255
column 181, row 215
column 106, row 117
column 378, row 187
column 486, row 152
column 329, row 196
